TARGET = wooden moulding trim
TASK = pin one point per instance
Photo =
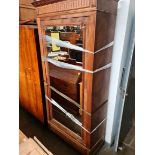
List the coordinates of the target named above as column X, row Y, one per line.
column 77, row 6
column 27, row 6
column 55, row 124
column 44, row 2
column 97, row 146
column 73, row 141
column 74, row 2
column 64, row 6
column 68, row 130
column 67, row 14
column 57, row 128
column 48, row 23
column 74, row 144
column 76, row 20
column 44, row 66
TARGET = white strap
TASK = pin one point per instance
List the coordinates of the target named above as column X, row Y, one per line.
column 76, row 121
column 101, row 49
column 106, row 46
column 65, row 44
column 64, row 111
column 69, row 99
column 74, row 67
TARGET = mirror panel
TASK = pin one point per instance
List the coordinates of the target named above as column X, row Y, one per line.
column 63, row 44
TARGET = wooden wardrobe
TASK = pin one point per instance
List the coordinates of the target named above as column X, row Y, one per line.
column 93, row 24
column 30, row 72
column 26, row 10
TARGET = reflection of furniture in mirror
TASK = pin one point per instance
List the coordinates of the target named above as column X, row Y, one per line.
column 89, row 24
column 54, row 46
column 66, row 82
column 70, row 36
column 73, row 37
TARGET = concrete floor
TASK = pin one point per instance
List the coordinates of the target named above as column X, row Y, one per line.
column 32, row 127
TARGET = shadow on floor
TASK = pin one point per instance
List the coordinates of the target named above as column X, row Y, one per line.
column 32, row 127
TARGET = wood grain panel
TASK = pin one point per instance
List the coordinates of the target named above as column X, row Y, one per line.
column 25, row 2
column 63, row 6
column 105, row 29
column 29, row 77
column 27, row 13
column 26, row 10
column 98, row 135
column 109, row 6
column 103, row 58
column 98, row 116
column 100, row 88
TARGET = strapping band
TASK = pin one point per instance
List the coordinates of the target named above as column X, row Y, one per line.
column 68, row 98
column 76, row 121
column 65, row 44
column 74, row 67
column 105, row 47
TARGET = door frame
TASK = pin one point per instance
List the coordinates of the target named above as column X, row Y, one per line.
column 121, row 62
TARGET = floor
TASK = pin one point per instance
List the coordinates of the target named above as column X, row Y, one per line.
column 32, row 127
column 130, row 138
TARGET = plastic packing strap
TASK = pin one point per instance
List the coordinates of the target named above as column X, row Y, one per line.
column 105, row 47
column 76, row 121
column 67, row 44
column 68, row 98
column 64, row 111
column 74, row 67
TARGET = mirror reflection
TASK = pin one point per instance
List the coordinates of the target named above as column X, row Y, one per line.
column 63, row 45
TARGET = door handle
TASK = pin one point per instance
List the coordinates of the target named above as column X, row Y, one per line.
column 122, row 78
column 122, row 91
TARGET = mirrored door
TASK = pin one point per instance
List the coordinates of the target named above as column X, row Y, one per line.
column 64, row 46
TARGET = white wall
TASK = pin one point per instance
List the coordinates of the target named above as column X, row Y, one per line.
column 122, row 37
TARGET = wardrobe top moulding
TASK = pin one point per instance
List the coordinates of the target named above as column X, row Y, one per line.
column 55, row 6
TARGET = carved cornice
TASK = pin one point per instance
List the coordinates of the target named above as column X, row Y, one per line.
column 54, row 6
column 65, row 5
column 38, row 3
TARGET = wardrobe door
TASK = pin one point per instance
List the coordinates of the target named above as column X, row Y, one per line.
column 29, row 77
